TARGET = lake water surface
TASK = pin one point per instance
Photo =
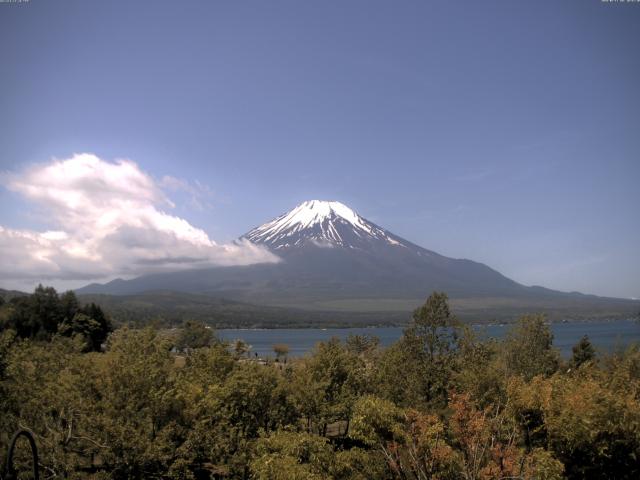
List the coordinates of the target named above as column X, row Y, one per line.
column 604, row 335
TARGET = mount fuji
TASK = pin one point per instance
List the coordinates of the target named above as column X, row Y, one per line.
column 334, row 259
column 327, row 243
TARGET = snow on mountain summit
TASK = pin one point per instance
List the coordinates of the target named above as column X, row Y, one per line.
column 314, row 212
column 322, row 223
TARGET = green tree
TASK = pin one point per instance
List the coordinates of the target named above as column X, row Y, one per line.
column 84, row 325
column 479, row 370
column 105, row 326
column 287, row 455
column 529, row 348
column 399, row 376
column 194, row 335
column 45, row 307
column 419, row 368
column 36, row 315
column 18, row 315
column 94, row 331
column 210, row 440
column 582, row 352
column 69, row 305
column 139, row 410
column 326, row 384
column 362, row 344
column 254, row 398
column 435, row 327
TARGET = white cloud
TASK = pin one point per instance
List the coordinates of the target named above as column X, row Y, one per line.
column 200, row 195
column 106, row 220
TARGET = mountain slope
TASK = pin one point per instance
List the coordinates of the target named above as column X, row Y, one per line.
column 327, row 241
column 332, row 257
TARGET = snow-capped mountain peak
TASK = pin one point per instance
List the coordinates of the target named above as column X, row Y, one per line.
column 313, row 212
column 321, row 223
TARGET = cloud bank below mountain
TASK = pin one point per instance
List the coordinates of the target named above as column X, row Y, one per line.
column 105, row 219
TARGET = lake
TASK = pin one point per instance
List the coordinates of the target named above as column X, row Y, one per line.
column 604, row 335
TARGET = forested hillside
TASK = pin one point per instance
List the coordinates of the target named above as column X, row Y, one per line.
column 438, row 404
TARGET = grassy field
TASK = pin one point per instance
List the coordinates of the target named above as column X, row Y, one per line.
column 486, row 309
column 172, row 308
column 358, row 305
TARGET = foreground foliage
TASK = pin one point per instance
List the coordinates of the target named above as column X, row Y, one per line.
column 438, row 404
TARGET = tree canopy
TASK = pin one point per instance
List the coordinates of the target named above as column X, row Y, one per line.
column 44, row 314
column 440, row 403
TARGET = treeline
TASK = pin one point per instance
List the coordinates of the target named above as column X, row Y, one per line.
column 438, row 404
column 44, row 314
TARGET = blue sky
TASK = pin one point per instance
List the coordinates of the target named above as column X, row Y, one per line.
column 502, row 131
